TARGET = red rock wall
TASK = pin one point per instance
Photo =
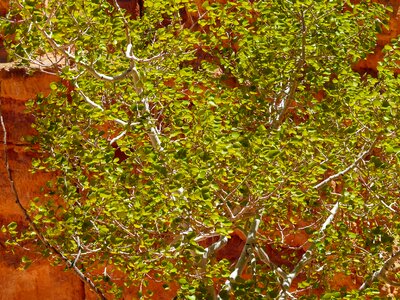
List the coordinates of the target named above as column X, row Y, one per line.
column 41, row 280
column 3, row 12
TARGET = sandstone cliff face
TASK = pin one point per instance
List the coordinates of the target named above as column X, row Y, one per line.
column 42, row 281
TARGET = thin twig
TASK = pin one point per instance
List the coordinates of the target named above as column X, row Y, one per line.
column 284, row 102
column 95, row 105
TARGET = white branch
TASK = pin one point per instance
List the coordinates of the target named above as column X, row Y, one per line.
column 265, row 258
column 130, row 55
column 283, row 102
column 95, row 105
column 287, row 282
column 209, row 251
column 131, row 70
column 244, row 257
column 349, row 168
column 118, row 137
column 308, row 254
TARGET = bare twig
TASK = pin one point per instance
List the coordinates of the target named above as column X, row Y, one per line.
column 95, row 105
column 283, row 102
column 130, row 55
column 128, row 52
column 124, row 20
column 210, row 250
column 374, row 194
column 118, row 137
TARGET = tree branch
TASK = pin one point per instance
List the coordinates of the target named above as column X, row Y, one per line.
column 290, row 90
column 243, row 259
column 287, row 282
column 209, row 251
column 95, row 105
column 265, row 258
column 130, row 71
column 130, row 55
column 349, row 168
column 128, row 52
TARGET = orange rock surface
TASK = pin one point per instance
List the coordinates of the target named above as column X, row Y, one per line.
column 41, row 280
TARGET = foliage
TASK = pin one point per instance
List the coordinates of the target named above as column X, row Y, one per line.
column 168, row 132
